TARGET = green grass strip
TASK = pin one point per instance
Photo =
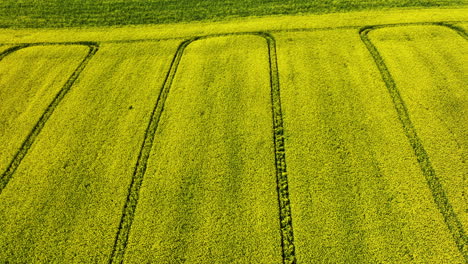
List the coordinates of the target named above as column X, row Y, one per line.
column 437, row 190
column 72, row 13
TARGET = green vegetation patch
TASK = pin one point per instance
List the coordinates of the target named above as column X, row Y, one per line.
column 59, row 13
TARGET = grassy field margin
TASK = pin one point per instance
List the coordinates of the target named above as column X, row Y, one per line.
column 71, row 13
column 184, row 31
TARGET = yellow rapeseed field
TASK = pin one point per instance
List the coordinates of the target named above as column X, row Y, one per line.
column 336, row 138
column 357, row 193
column 436, row 97
column 64, row 202
column 210, row 188
column 31, row 78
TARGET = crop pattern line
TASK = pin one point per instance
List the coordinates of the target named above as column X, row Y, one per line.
column 285, row 219
column 11, row 50
column 460, row 31
column 133, row 194
column 438, row 193
column 285, row 215
column 27, row 143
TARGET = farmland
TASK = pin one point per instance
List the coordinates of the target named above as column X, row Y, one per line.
column 214, row 139
column 334, row 138
column 32, row 90
column 53, row 13
column 350, row 160
column 438, row 106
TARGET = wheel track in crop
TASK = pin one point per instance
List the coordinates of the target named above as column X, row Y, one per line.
column 438, row 193
column 285, row 216
column 128, row 213
column 11, row 50
column 285, row 219
column 27, row 143
column 460, row 31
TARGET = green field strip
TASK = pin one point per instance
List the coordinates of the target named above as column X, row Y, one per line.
column 253, row 24
column 85, row 13
column 35, row 80
column 209, row 193
column 357, row 193
column 435, row 98
column 64, row 203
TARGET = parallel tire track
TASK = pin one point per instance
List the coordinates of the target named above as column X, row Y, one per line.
column 287, row 234
column 23, row 150
column 288, row 250
column 11, row 50
column 460, row 31
column 128, row 214
column 438, row 193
